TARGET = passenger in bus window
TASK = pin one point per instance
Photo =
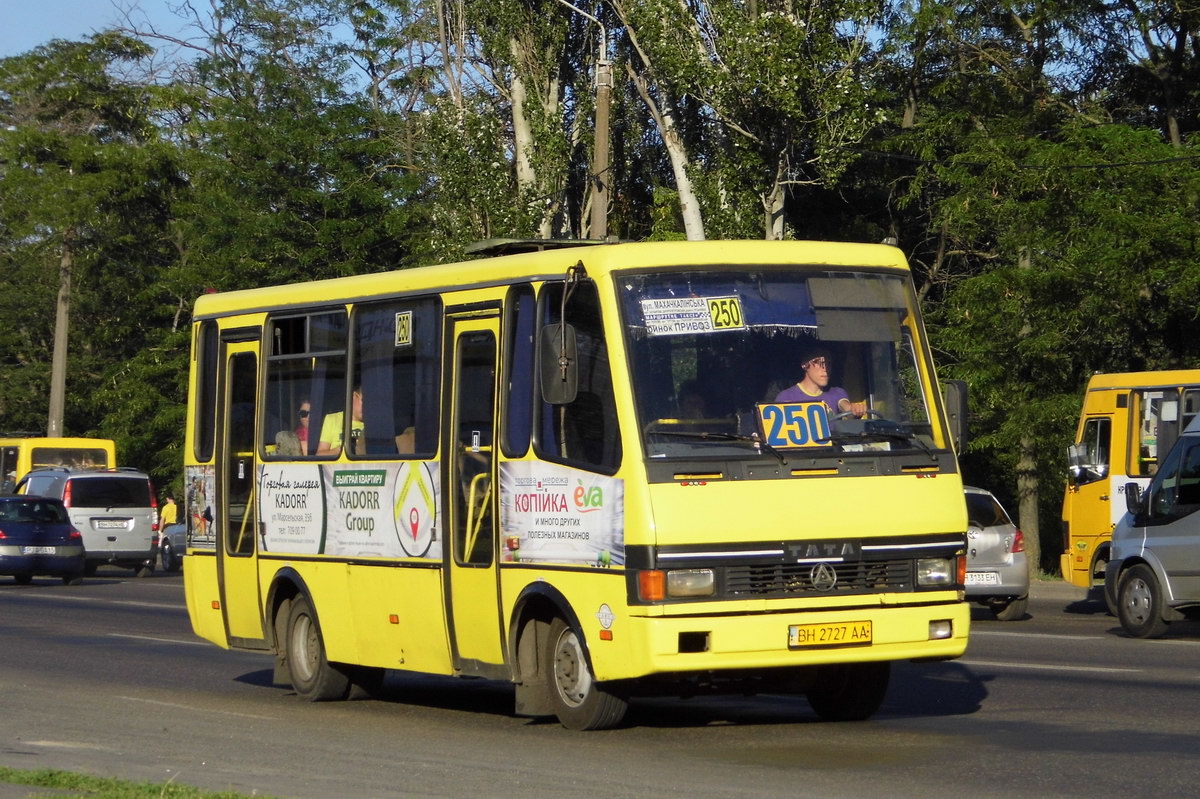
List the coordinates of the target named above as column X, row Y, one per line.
column 814, row 385
column 302, row 423
column 295, row 442
column 332, row 427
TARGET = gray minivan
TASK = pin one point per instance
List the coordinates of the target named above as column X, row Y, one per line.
column 114, row 509
column 1153, row 574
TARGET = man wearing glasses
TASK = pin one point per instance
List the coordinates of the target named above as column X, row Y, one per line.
column 814, row 386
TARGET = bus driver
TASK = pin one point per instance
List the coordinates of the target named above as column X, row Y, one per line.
column 814, row 386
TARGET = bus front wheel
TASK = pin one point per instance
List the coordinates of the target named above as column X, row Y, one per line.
column 850, row 691
column 312, row 675
column 578, row 700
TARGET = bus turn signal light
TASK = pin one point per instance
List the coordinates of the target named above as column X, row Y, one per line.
column 652, row 585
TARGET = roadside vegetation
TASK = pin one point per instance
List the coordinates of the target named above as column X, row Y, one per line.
column 1036, row 162
column 49, row 782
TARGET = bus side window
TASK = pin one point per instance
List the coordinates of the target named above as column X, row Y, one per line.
column 206, row 391
column 8, row 470
column 1096, row 434
column 397, row 364
column 583, row 432
column 306, row 370
column 1190, row 407
column 1148, row 407
column 520, row 319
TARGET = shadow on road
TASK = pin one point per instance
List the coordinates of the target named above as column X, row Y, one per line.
column 917, row 689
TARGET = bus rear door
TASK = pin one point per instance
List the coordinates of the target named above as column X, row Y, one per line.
column 472, row 592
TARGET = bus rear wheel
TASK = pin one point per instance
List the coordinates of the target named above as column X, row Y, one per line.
column 850, row 691
column 311, row 673
column 578, row 700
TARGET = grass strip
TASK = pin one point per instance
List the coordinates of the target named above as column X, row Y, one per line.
column 108, row 787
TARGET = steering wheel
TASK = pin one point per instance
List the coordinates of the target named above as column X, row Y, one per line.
column 869, row 413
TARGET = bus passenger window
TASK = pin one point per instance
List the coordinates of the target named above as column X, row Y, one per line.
column 206, row 391
column 397, row 364
column 306, row 381
column 517, row 397
column 585, row 431
column 1148, row 407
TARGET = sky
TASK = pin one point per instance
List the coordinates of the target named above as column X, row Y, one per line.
column 25, row 24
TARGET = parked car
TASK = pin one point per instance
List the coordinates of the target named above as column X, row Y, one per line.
column 172, row 544
column 37, row 537
column 1153, row 575
column 114, row 509
column 997, row 568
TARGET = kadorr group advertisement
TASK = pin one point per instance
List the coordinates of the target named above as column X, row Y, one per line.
column 356, row 510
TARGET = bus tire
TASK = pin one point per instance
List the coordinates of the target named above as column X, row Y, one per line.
column 850, row 691
column 1140, row 603
column 313, row 677
column 1009, row 608
column 578, row 700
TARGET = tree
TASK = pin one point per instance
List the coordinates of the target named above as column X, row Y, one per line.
column 81, row 203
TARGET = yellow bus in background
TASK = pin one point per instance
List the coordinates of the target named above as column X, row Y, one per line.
column 1128, row 422
column 21, row 452
column 570, row 467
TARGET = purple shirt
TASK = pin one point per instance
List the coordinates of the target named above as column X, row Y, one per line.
column 830, row 396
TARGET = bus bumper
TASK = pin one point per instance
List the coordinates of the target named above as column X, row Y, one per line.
column 674, row 644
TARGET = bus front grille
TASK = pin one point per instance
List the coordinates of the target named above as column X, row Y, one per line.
column 800, row 579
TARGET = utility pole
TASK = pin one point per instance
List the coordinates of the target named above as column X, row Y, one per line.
column 599, row 170
column 600, row 157
column 58, row 365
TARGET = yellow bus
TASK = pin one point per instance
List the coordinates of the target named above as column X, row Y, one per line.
column 1127, row 422
column 20, row 452
column 578, row 469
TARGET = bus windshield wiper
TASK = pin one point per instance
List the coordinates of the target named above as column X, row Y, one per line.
column 758, row 443
column 880, row 430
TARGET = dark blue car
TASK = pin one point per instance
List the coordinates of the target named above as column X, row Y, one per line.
column 37, row 537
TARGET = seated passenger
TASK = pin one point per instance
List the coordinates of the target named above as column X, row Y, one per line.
column 333, row 427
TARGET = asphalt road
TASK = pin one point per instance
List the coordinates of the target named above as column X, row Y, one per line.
column 106, row 678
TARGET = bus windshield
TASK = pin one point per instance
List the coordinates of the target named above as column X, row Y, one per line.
column 795, row 361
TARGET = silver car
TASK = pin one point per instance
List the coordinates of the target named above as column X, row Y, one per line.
column 997, row 568
column 114, row 509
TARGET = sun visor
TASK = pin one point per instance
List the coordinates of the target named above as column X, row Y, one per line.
column 843, row 325
column 858, row 291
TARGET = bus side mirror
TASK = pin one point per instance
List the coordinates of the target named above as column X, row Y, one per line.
column 954, row 395
column 558, row 364
column 1133, row 498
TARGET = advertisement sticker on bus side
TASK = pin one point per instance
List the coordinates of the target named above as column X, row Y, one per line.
column 555, row 514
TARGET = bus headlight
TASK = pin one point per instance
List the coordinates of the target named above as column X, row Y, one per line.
column 935, row 571
column 690, row 582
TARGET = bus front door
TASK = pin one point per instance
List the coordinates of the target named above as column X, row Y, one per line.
column 237, row 526
column 472, row 592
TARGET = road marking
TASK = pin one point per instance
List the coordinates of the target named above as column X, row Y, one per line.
column 94, row 600
column 997, row 664
column 70, row 745
column 161, row 640
column 199, row 709
column 974, row 633
column 1111, row 636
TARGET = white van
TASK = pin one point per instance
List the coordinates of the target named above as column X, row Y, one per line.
column 114, row 509
column 1153, row 576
